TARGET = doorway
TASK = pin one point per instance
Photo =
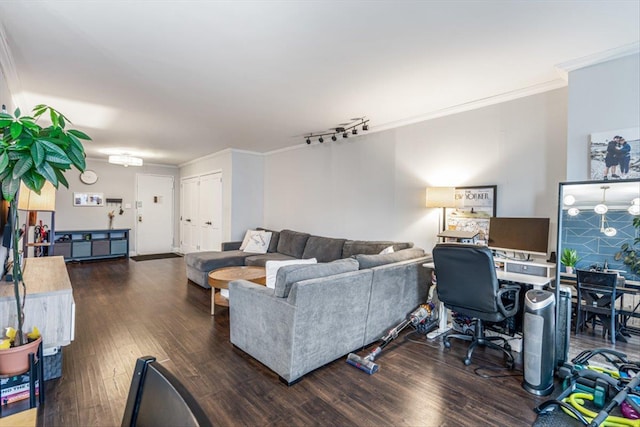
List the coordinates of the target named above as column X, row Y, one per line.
column 154, row 214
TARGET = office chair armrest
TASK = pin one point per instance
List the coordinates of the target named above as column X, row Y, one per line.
column 506, row 289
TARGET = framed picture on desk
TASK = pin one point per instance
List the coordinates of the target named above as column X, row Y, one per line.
column 474, row 207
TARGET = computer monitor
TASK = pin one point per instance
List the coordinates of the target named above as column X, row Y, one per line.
column 527, row 236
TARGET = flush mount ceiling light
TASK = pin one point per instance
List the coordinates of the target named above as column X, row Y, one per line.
column 569, row 200
column 341, row 129
column 601, row 208
column 573, row 211
column 125, row 160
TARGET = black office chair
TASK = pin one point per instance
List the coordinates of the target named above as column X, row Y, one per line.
column 596, row 297
column 467, row 284
column 157, row 398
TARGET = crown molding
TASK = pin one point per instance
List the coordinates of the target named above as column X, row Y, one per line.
column 219, row 153
column 565, row 68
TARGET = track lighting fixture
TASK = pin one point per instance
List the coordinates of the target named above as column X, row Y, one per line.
column 341, row 129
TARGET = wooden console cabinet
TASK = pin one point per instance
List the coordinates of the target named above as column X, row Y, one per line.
column 79, row 245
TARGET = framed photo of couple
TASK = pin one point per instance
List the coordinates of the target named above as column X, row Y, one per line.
column 474, row 207
column 615, row 154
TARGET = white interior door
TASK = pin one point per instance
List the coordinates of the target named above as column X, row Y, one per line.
column 210, row 212
column 189, row 215
column 154, row 214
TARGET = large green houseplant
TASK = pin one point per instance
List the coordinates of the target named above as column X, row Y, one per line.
column 33, row 154
column 630, row 252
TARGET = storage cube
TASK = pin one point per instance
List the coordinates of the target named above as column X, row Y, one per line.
column 62, row 249
column 100, row 248
column 118, row 247
column 81, row 249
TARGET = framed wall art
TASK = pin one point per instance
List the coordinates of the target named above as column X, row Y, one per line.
column 88, row 199
column 474, row 207
column 615, row 154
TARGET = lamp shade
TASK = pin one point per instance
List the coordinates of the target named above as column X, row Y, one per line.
column 31, row 201
column 441, row 197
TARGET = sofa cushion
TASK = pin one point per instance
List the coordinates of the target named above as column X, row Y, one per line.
column 292, row 243
column 275, row 236
column 354, row 247
column 290, row 274
column 207, row 261
column 272, row 267
column 260, row 260
column 370, row 261
column 324, row 249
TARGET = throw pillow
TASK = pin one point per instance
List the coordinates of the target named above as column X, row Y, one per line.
column 387, row 250
column 272, row 267
column 258, row 242
column 245, row 241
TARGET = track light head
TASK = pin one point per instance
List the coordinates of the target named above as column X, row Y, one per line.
column 354, row 131
column 345, row 135
column 365, row 127
column 320, row 140
column 308, row 141
column 333, row 138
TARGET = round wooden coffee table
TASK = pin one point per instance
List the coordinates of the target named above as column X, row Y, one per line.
column 220, row 278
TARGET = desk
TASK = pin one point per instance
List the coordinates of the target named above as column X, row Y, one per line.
column 49, row 303
column 537, row 282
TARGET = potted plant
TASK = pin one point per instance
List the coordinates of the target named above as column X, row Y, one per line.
column 32, row 154
column 569, row 258
column 629, row 253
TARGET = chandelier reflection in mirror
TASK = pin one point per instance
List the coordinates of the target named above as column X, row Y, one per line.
column 602, row 209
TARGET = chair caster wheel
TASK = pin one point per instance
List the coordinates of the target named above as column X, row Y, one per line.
column 510, row 365
column 467, row 362
column 507, row 346
column 447, row 344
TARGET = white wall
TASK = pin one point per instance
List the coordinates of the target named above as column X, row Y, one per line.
column 114, row 182
column 602, row 97
column 373, row 186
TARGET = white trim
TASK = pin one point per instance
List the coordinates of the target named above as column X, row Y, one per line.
column 565, row 68
column 219, row 153
column 198, row 175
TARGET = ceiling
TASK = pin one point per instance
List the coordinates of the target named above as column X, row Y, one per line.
column 173, row 81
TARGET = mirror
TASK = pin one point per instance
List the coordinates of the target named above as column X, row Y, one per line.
column 595, row 218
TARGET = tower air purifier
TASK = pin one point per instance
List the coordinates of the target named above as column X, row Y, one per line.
column 539, row 342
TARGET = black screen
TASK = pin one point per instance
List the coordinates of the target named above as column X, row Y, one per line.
column 529, row 235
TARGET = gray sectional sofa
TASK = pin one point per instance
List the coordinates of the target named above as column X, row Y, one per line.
column 318, row 313
column 284, row 245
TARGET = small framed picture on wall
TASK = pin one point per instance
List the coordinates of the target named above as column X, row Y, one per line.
column 474, row 207
column 88, row 199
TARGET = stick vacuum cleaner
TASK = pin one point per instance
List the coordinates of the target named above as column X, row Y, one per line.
column 367, row 364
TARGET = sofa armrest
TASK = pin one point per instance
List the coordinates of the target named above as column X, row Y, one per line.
column 231, row 246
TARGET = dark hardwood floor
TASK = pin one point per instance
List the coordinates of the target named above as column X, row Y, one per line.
column 127, row 309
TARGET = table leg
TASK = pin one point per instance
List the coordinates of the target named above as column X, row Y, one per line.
column 213, row 300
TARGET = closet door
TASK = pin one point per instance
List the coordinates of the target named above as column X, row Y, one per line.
column 210, row 212
column 189, row 215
